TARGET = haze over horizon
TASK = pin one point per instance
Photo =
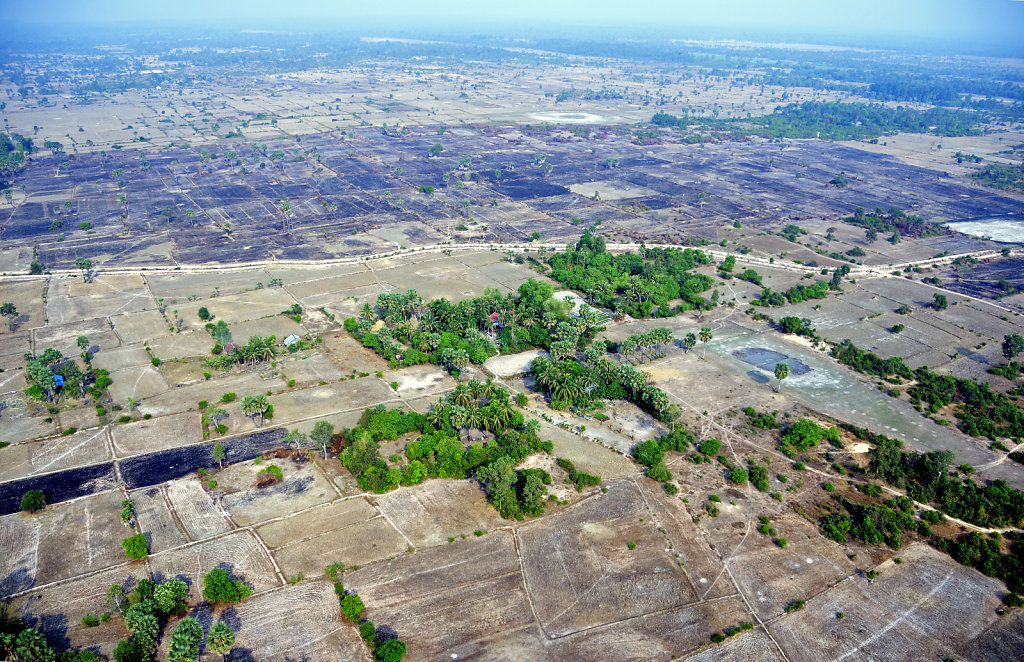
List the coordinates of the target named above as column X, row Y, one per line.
column 978, row 22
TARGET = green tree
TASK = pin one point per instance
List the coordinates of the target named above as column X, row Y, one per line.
column 219, row 454
column 435, row 149
column 322, row 433
column 781, row 372
column 392, row 650
column 940, row 302
column 219, row 587
column 170, row 596
column 295, row 437
column 255, row 405
column 30, row 646
column 9, row 311
column 1013, row 345
column 689, row 341
column 136, row 547
column 220, row 638
column 33, row 501
column 705, row 337
column 185, row 641
column 204, row 314
column 352, row 607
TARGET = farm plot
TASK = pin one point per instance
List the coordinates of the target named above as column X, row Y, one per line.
column 336, row 515
column 920, row 608
column 181, row 345
column 157, row 434
column 28, row 298
column 303, row 486
column 321, row 400
column 64, row 309
column 358, row 544
column 78, row 449
column 180, row 399
column 182, row 285
column 120, row 358
column 432, row 512
column 64, row 337
column 474, row 584
column 137, row 382
column 58, row 610
column 771, row 577
column 421, row 381
column 198, row 513
column 237, row 308
column 154, row 517
column 661, row 636
column 582, row 557
column 64, row 540
column 750, row 646
column 239, row 553
column 296, row 622
column 309, row 369
column 139, row 326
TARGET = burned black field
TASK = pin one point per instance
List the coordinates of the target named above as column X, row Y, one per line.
column 362, row 192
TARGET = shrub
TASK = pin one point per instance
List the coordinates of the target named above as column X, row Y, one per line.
column 522, row 400
column 228, row 397
column 738, row 475
column 710, row 447
column 392, row 650
column 829, row 487
column 352, row 607
column 795, row 605
column 33, row 501
column 219, row 587
column 90, row 621
column 136, row 547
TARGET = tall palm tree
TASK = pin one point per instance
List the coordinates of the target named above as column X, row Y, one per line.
column 462, row 395
column 689, row 341
column 781, row 372
column 436, row 414
column 705, row 337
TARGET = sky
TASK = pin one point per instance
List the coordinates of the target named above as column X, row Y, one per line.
column 972, row 19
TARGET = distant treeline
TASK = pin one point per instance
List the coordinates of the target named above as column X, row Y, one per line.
column 840, row 121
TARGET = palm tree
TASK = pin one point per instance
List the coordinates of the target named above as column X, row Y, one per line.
column 689, row 341
column 705, row 337
column 253, row 405
column 458, row 417
column 781, row 372
column 436, row 414
column 462, row 395
column 220, row 639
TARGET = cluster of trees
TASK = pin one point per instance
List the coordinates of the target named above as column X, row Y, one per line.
column 891, row 369
column 926, row 478
column 257, row 350
column 981, row 411
column 631, row 283
column 895, row 221
column 795, row 294
column 149, row 604
column 18, row 641
column 651, row 453
column 41, row 371
column 13, row 149
column 1006, row 177
column 572, row 384
column 804, row 434
column 657, row 339
column 800, row 326
column 839, row 121
column 454, row 335
column 439, row 452
column 874, row 524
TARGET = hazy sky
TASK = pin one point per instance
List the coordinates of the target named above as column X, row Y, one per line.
column 973, row 18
